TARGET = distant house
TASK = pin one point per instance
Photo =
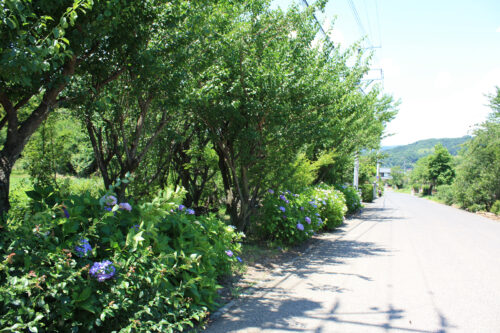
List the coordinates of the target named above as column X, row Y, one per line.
column 385, row 173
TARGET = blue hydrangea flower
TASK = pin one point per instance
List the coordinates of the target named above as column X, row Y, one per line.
column 83, row 248
column 300, row 226
column 282, row 197
column 282, row 209
column 125, row 206
column 229, row 253
column 270, row 191
column 324, row 202
column 308, row 220
column 311, row 202
column 102, row 270
column 110, row 200
column 302, row 208
column 239, row 259
column 317, row 214
column 190, row 211
column 108, row 209
column 181, row 207
column 65, row 211
column 320, row 221
column 135, row 226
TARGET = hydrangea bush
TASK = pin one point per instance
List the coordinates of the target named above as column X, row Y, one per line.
column 81, row 264
column 352, row 198
column 291, row 218
column 331, row 204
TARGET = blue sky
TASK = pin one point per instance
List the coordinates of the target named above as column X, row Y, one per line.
column 439, row 58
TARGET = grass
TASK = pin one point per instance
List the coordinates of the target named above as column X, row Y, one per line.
column 406, row 190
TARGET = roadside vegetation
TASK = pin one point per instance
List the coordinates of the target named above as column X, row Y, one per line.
column 471, row 180
column 142, row 141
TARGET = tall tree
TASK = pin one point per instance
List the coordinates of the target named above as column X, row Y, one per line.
column 44, row 45
column 478, row 170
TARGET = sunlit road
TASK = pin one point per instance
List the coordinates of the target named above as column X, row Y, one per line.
column 404, row 265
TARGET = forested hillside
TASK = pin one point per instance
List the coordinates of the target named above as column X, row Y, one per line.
column 397, row 156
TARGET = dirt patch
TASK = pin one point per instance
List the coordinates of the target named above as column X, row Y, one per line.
column 489, row 215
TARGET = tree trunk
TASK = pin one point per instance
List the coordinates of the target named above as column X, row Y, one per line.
column 5, row 170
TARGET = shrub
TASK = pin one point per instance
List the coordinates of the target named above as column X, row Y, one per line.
column 331, row 204
column 287, row 218
column 83, row 264
column 476, row 208
column 367, row 192
column 290, row 218
column 352, row 198
column 495, row 208
column 445, row 194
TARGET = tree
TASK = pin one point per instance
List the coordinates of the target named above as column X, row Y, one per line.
column 477, row 184
column 45, row 45
column 398, row 177
column 440, row 167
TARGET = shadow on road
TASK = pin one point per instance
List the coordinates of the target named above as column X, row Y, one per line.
column 275, row 307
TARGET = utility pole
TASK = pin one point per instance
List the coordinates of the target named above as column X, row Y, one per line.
column 356, row 171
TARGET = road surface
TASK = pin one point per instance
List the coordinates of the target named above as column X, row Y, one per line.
column 404, row 265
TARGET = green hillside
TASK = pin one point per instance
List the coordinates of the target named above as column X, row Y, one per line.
column 397, row 156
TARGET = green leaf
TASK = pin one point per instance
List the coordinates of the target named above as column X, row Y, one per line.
column 84, row 295
column 34, row 195
column 12, row 23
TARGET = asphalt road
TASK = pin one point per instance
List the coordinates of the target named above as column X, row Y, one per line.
column 404, row 265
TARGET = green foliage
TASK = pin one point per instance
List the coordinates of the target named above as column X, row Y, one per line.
column 495, row 208
column 167, row 263
column 352, row 198
column 478, row 172
column 445, row 194
column 367, row 192
column 398, row 177
column 331, row 204
column 284, row 214
column 440, row 168
column 59, row 146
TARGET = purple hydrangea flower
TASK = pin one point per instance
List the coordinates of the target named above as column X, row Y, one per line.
column 315, row 206
column 229, row 253
column 282, row 197
column 108, row 209
column 239, row 259
column 181, row 207
column 300, row 226
column 270, row 191
column 102, row 270
column 190, row 211
column 317, row 214
column 308, row 220
column 125, row 206
column 311, row 202
column 284, row 217
column 110, row 200
column 282, row 209
column 302, row 208
column 135, row 226
column 320, row 221
column 65, row 211
column 83, row 249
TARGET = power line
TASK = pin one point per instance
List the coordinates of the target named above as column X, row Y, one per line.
column 317, row 21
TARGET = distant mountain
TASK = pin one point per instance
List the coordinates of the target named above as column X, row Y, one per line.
column 397, row 156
